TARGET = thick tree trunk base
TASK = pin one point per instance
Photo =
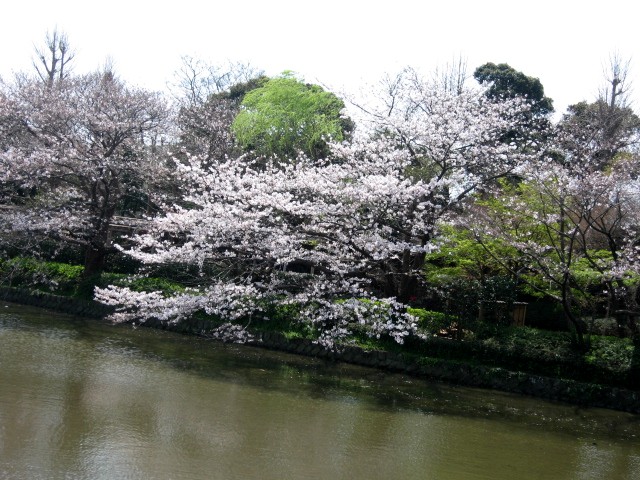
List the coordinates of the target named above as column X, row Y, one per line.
column 93, row 262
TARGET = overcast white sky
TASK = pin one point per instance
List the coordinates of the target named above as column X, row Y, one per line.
column 335, row 42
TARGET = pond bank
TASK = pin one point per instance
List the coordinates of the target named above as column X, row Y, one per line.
column 440, row 369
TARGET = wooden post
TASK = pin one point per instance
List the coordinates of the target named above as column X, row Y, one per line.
column 519, row 313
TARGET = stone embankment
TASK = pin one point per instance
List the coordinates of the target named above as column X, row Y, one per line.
column 74, row 306
column 451, row 371
column 462, row 373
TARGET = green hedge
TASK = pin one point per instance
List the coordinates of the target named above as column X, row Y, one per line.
column 52, row 277
column 67, row 280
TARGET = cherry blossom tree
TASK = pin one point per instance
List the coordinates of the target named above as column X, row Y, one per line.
column 344, row 238
column 573, row 228
column 454, row 142
column 72, row 152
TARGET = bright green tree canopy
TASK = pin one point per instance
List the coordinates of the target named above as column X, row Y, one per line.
column 286, row 116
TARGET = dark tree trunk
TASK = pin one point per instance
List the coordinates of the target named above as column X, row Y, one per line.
column 572, row 320
column 93, row 261
column 634, row 370
column 96, row 251
column 103, row 208
column 402, row 278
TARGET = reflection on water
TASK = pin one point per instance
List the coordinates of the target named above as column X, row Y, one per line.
column 80, row 399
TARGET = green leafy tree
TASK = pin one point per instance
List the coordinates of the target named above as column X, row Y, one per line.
column 286, row 116
column 507, row 82
column 471, row 284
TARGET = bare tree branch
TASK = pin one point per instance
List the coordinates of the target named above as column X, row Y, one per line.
column 53, row 59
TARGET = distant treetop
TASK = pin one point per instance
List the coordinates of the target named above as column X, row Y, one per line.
column 508, row 82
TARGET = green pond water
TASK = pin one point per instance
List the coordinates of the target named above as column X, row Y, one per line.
column 83, row 399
